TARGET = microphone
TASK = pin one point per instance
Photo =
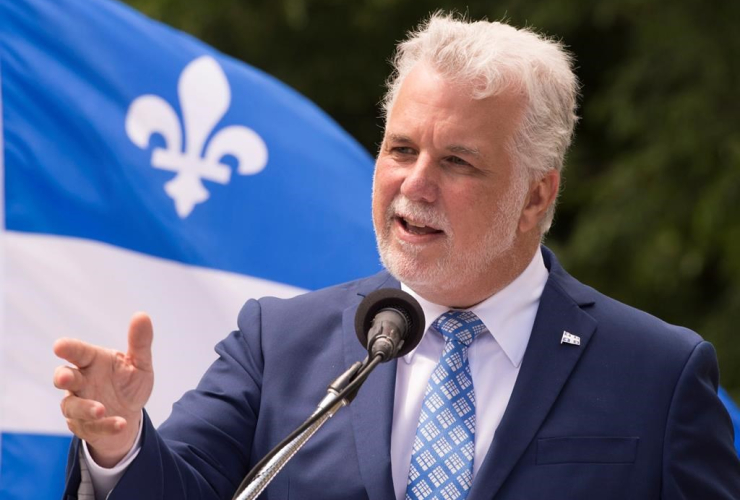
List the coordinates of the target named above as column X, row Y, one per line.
column 389, row 323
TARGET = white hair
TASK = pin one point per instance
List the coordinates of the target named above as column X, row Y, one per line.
column 492, row 57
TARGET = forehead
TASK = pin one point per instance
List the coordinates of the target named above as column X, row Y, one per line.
column 429, row 103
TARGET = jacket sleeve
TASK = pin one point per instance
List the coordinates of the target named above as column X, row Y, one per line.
column 699, row 460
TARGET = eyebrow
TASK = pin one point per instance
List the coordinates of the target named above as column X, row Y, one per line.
column 455, row 148
column 399, row 138
column 460, row 149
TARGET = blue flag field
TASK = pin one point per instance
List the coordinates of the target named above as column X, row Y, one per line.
column 143, row 170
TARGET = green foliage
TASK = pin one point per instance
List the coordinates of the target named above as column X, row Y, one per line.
column 653, row 181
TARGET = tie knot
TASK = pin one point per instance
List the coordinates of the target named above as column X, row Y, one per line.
column 461, row 326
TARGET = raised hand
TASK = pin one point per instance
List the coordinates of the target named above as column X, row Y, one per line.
column 106, row 390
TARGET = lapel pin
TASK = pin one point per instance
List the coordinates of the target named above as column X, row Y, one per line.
column 569, row 338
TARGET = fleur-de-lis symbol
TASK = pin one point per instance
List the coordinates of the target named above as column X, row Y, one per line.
column 205, row 96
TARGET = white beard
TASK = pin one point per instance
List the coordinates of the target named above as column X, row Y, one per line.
column 453, row 269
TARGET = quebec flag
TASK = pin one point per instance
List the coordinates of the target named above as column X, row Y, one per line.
column 143, row 170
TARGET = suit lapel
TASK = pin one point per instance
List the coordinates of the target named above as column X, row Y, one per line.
column 545, row 369
column 372, row 409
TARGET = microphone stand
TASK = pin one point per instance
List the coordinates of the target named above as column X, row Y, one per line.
column 340, row 393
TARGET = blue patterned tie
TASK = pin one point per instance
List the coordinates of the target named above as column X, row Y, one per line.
column 442, row 460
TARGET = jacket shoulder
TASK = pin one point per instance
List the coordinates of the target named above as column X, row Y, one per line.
column 621, row 324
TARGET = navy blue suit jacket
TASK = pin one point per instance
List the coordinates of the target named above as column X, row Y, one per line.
column 630, row 414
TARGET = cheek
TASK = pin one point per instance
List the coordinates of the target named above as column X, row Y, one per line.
column 385, row 184
column 471, row 214
column 383, row 193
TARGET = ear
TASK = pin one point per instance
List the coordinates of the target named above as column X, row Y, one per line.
column 542, row 194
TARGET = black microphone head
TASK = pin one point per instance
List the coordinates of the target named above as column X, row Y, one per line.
column 398, row 300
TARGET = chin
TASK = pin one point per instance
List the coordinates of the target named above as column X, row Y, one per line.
column 448, row 272
column 417, row 272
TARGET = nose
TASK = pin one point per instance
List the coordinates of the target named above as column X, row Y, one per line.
column 421, row 183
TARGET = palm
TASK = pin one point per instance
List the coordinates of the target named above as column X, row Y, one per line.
column 117, row 382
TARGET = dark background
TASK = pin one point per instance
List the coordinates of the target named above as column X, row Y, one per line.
column 649, row 213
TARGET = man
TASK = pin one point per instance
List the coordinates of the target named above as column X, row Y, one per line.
column 527, row 384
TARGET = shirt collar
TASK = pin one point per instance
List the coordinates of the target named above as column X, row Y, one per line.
column 508, row 314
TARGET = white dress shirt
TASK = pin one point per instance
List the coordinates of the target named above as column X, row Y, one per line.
column 494, row 364
column 97, row 482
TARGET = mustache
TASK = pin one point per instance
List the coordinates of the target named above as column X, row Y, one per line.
column 422, row 213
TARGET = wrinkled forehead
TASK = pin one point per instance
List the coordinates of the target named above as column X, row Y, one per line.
column 427, row 97
column 424, row 80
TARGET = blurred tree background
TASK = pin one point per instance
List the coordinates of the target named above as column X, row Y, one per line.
column 649, row 213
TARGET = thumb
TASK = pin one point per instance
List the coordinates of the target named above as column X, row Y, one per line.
column 140, row 336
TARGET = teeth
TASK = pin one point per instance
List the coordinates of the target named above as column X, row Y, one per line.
column 412, row 223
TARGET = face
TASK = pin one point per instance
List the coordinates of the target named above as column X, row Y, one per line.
column 447, row 199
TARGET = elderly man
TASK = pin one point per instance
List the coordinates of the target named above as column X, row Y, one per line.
column 526, row 384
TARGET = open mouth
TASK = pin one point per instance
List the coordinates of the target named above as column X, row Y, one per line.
column 417, row 228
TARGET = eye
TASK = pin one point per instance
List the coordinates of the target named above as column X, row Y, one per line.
column 401, row 153
column 402, row 150
column 457, row 161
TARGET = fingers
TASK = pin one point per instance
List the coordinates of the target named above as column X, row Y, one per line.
column 77, row 352
column 76, row 408
column 86, row 418
column 70, row 379
column 93, row 430
column 140, row 336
